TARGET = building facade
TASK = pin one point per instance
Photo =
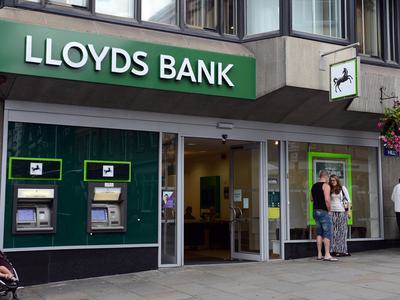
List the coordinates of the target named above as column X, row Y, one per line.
column 147, row 134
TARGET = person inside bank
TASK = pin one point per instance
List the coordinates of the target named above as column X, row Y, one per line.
column 188, row 213
column 340, row 203
column 321, row 197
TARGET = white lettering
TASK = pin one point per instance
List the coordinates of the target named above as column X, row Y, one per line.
column 136, row 59
column 222, row 74
column 202, row 69
column 115, row 52
column 186, row 70
column 167, row 66
column 28, row 52
column 98, row 58
column 82, row 50
column 49, row 50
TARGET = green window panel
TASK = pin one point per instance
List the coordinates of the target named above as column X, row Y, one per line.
column 74, row 145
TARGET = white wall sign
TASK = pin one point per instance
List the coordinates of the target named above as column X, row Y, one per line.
column 36, row 169
column 108, row 171
column 237, row 195
column 344, row 81
column 246, row 203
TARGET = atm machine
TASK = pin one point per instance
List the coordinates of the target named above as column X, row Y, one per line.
column 34, row 209
column 107, row 206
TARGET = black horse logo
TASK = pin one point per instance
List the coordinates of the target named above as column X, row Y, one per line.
column 107, row 171
column 37, row 168
column 344, row 78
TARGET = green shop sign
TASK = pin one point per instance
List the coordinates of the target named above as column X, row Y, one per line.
column 42, row 51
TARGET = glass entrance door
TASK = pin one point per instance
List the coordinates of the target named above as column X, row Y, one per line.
column 245, row 223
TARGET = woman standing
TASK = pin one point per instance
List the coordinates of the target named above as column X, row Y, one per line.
column 340, row 202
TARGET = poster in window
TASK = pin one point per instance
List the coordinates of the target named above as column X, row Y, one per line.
column 338, row 164
column 168, row 199
column 333, row 167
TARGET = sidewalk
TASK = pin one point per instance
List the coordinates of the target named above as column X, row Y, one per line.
column 366, row 275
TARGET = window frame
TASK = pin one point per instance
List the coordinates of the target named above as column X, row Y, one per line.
column 155, row 25
column 179, row 27
column 384, row 40
column 264, row 35
column 345, row 20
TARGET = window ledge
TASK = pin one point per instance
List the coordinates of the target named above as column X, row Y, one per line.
column 320, row 38
column 378, row 62
column 261, row 36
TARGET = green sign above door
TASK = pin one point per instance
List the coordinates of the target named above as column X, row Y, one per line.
column 42, row 51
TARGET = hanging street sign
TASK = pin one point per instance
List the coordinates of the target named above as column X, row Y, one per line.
column 344, row 80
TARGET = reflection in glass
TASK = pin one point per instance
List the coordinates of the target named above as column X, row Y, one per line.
column 319, row 17
column 274, row 199
column 262, row 16
column 118, row 8
column 159, row 11
column 168, row 198
column 368, row 27
column 202, row 14
column 230, row 13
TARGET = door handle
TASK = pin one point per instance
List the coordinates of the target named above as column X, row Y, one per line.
column 234, row 213
column 241, row 212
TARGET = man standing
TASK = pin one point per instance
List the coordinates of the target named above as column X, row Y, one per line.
column 321, row 197
column 396, row 200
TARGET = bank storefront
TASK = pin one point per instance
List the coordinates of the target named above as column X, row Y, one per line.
column 83, row 185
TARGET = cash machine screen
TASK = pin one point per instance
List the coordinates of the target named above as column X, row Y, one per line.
column 25, row 215
column 99, row 215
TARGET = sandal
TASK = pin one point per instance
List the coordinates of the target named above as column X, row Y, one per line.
column 330, row 259
column 320, row 258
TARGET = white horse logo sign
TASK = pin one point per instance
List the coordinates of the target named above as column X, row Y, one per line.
column 344, row 80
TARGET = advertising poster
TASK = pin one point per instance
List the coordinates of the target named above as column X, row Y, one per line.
column 333, row 167
column 168, row 199
column 335, row 164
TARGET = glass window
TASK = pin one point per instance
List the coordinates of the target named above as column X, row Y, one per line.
column 262, row 16
column 159, row 11
column 323, row 17
column 368, row 27
column 118, row 8
column 358, row 169
column 274, row 199
column 202, row 14
column 73, row 3
column 392, row 32
column 168, row 198
column 230, row 17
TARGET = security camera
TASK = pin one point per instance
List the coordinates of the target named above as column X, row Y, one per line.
column 224, row 138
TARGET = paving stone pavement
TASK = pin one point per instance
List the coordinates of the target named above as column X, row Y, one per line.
column 366, row 275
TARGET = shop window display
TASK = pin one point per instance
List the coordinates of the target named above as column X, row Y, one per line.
column 358, row 168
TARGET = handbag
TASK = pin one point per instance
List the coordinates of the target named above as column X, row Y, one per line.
column 345, row 202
